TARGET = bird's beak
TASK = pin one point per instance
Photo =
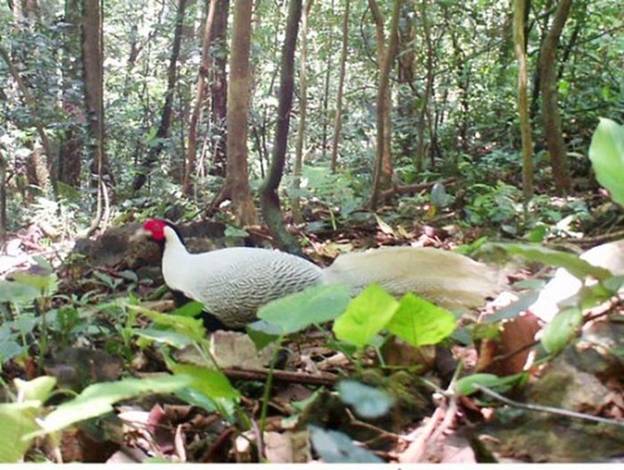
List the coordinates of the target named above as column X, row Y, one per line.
column 140, row 235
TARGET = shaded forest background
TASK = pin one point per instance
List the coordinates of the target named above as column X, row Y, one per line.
column 121, row 107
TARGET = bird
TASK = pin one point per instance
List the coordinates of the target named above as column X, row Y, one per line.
column 233, row 283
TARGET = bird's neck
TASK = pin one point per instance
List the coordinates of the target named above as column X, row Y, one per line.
column 175, row 261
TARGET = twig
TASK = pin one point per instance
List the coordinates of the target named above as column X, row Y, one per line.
column 282, row 375
column 546, row 409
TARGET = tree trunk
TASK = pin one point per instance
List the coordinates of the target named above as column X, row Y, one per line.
column 165, row 120
column 383, row 156
column 269, row 198
column 536, row 79
column 520, row 7
column 237, row 179
column 69, row 160
column 550, row 108
column 342, row 73
column 218, row 87
column 303, row 105
column 421, row 147
column 29, row 100
column 328, row 66
column 198, row 105
column 407, row 96
column 92, row 60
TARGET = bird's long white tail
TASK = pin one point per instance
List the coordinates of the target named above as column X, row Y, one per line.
column 445, row 278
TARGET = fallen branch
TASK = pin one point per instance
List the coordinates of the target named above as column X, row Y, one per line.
column 546, row 409
column 282, row 375
column 414, row 188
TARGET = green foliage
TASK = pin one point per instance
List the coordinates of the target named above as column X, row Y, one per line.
column 469, row 385
column 421, row 323
column 561, row 329
column 365, row 316
column 368, row 402
column 314, row 305
column 210, row 382
column 18, row 421
column 336, row 447
column 98, row 399
column 607, row 156
column 575, row 265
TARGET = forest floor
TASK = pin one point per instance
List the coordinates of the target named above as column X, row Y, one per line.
column 565, row 407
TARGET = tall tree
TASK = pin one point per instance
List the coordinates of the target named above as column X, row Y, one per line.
column 218, row 87
column 236, row 185
column 269, row 198
column 198, row 105
column 165, row 118
column 519, row 24
column 328, row 68
column 341, row 79
column 69, row 159
column 303, row 111
column 92, row 59
column 386, row 58
column 550, row 107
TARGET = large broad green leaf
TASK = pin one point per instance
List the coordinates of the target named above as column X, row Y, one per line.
column 336, row 447
column 561, row 329
column 18, row 421
column 367, row 401
column 36, row 389
column 366, row 316
column 17, row 292
column 97, row 399
column 468, row 385
column 210, row 382
column 193, row 328
column 420, row 323
column 606, row 153
column 575, row 265
column 314, row 305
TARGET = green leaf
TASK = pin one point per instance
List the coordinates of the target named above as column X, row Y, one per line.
column 314, row 305
column 420, row 323
column 606, row 153
column 18, row 421
column 367, row 401
column 172, row 338
column 336, row 447
column 98, row 399
column 575, row 265
column 210, row 382
column 366, row 315
column 36, row 389
column 193, row 328
column 17, row 292
column 558, row 333
column 190, row 309
column 44, row 284
column 263, row 333
column 468, row 385
column 9, row 348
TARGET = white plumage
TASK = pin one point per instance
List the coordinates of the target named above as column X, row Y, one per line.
column 233, row 283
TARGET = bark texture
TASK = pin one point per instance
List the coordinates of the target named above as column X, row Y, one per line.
column 237, row 180
column 269, row 198
column 520, row 7
column 550, row 106
column 341, row 79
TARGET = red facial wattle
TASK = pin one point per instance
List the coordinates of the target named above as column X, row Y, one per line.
column 156, row 228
